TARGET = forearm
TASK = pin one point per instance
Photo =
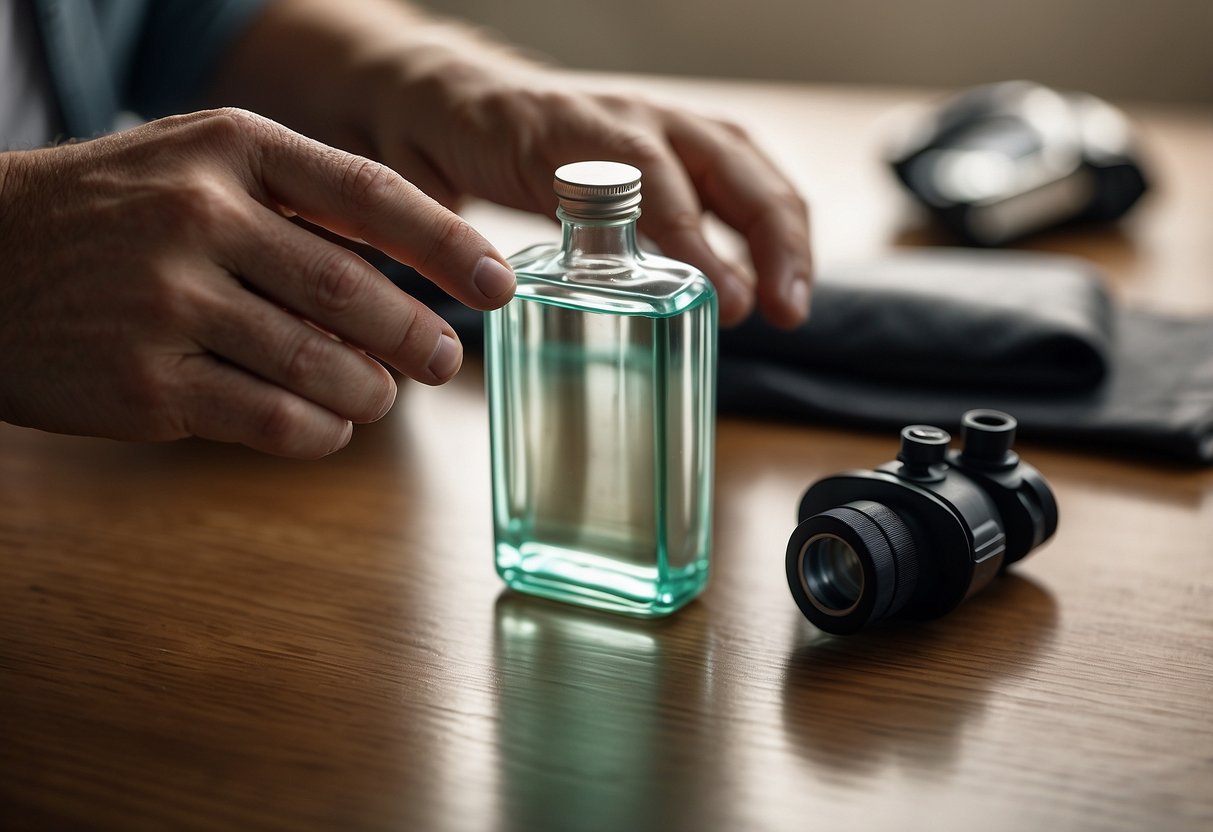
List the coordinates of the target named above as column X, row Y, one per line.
column 325, row 68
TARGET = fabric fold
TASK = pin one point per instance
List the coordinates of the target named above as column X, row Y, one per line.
column 921, row 336
column 925, row 335
column 949, row 317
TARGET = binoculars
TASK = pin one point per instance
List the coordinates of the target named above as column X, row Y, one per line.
column 915, row 537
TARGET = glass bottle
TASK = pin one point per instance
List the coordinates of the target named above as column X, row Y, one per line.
column 601, row 381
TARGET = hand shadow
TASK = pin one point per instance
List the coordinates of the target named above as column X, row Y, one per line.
column 903, row 695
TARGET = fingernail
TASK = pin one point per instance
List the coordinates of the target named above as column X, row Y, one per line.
column 446, row 358
column 387, row 405
column 796, row 296
column 345, row 437
column 492, row 279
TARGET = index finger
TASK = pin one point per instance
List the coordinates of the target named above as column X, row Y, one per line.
column 361, row 199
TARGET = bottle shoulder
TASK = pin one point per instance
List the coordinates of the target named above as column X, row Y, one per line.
column 647, row 284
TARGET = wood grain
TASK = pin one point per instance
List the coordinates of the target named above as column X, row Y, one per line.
column 193, row 636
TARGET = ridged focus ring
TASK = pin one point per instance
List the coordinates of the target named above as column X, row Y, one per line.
column 901, row 542
column 827, row 552
column 873, row 548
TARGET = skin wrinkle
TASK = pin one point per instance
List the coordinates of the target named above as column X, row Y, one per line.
column 367, row 185
column 304, row 355
column 336, row 279
column 454, row 231
column 409, row 323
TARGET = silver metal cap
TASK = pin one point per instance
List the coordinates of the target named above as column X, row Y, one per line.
column 598, row 190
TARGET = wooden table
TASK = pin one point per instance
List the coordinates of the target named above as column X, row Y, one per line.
column 193, row 636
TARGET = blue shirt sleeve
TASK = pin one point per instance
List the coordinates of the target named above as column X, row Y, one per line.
column 178, row 51
column 155, row 57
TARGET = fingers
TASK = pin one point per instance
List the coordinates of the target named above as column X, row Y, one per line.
column 672, row 217
column 340, row 292
column 278, row 347
column 746, row 191
column 364, row 200
column 165, row 332
column 222, row 402
column 692, row 164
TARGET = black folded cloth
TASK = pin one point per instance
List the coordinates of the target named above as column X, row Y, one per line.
column 926, row 334
column 947, row 319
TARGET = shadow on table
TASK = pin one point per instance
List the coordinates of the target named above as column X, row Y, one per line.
column 903, row 696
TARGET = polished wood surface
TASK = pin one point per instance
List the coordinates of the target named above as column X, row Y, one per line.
column 194, row 636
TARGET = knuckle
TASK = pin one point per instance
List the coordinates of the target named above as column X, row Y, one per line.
column 337, row 281
column 634, row 109
column 148, row 391
column 234, row 125
column 200, row 207
column 305, row 358
column 367, row 184
column 557, row 100
column 679, row 222
column 506, row 105
column 639, row 146
column 734, row 130
column 279, row 424
column 618, row 102
column 496, row 103
column 794, row 202
column 163, row 300
column 162, row 305
column 452, row 235
column 407, row 334
column 193, row 209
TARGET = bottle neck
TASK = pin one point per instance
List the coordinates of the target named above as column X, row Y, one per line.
column 598, row 238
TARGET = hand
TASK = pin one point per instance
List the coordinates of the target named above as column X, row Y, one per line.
column 497, row 128
column 154, row 288
column 457, row 114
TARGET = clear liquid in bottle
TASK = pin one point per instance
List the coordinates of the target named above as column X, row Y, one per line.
column 601, row 381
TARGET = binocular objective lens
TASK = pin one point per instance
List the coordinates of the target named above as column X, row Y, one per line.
column 851, row 565
column 831, row 574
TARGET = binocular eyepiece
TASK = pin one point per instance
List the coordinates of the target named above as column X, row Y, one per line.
column 915, row 537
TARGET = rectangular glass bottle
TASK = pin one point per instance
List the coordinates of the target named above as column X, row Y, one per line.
column 601, row 382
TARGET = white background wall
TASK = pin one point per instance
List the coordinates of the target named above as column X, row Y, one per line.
column 1122, row 49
